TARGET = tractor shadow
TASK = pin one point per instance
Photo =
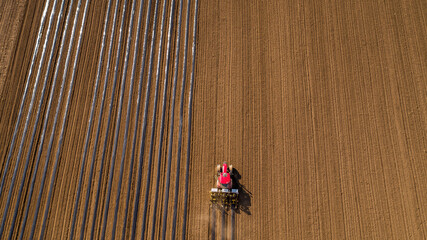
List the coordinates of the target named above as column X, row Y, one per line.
column 244, row 194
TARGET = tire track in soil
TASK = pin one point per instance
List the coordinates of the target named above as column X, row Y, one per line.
column 233, row 219
column 213, row 222
column 223, row 224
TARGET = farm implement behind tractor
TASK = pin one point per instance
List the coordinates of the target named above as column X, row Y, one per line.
column 224, row 193
column 225, row 197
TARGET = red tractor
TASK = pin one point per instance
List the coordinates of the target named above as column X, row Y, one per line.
column 224, row 193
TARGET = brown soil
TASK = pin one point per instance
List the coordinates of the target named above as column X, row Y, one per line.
column 65, row 180
column 320, row 106
column 11, row 18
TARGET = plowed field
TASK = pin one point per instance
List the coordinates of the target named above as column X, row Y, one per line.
column 110, row 108
column 322, row 108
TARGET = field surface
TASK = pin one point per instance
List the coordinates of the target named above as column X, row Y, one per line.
column 114, row 115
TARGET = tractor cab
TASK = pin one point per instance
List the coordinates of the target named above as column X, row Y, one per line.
column 224, row 193
column 224, row 180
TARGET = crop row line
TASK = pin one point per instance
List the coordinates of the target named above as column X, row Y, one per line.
column 66, row 88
